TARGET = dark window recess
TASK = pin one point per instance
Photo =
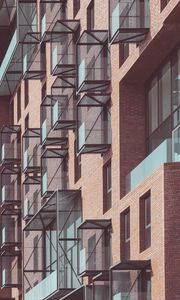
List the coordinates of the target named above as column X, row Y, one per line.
column 12, row 112
column 123, row 53
column 26, row 121
column 125, row 234
column 90, row 16
column 43, row 91
column 145, row 222
column 92, row 253
column 26, row 92
column 19, row 104
column 35, row 201
column 107, row 187
column 76, row 6
column 77, row 163
column 35, row 261
column 164, row 3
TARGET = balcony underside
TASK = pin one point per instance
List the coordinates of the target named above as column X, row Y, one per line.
column 10, row 168
column 32, row 179
column 63, row 124
column 94, row 148
column 65, row 70
column 48, row 141
column 94, row 86
column 82, row 293
column 132, row 35
column 34, row 75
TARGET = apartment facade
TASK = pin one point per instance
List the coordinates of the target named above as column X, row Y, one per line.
column 90, row 149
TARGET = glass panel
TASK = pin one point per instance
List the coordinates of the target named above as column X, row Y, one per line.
column 153, row 106
column 8, row 55
column 25, row 64
column 43, row 25
column 26, row 207
column 43, row 289
column 44, row 183
column 44, row 130
column 176, row 80
column 56, row 112
column 25, row 161
column 81, row 135
column 176, row 145
column 162, row 154
column 115, row 20
column 54, row 58
column 81, row 73
column 165, row 92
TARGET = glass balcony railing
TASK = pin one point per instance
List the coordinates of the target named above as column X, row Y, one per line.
column 55, row 113
column 44, row 183
column 43, row 25
column 162, row 154
column 44, row 130
column 25, row 64
column 8, row 55
column 43, row 289
column 129, row 20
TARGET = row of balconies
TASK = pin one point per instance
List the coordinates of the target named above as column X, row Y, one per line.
column 59, row 249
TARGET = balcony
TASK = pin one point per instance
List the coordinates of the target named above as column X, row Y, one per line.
column 93, row 62
column 101, row 286
column 51, row 12
column 7, row 13
column 10, row 192
column 52, row 235
column 10, row 271
column 82, row 293
column 94, row 253
column 32, row 153
column 131, row 280
column 50, row 137
column 10, row 149
column 34, row 66
column 129, row 21
column 32, row 200
column 64, row 110
column 54, row 171
column 94, row 124
column 11, row 232
column 63, row 48
column 166, row 152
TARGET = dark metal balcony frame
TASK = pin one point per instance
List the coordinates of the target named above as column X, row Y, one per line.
column 46, row 37
column 96, row 224
column 103, row 276
column 79, row 293
column 61, row 124
column 10, row 247
column 11, row 253
column 129, row 265
column 138, row 34
column 96, row 38
column 30, row 42
column 8, row 9
column 92, row 100
column 32, row 133
column 8, row 129
column 52, row 153
column 47, row 214
column 50, row 140
column 10, row 206
column 64, row 27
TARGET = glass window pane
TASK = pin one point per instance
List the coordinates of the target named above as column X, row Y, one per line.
column 165, row 92
column 176, row 80
column 153, row 106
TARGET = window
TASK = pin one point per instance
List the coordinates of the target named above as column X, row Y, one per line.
column 164, row 3
column 12, row 112
column 153, row 105
column 35, row 246
column 76, row 6
column 165, row 92
column 26, row 92
column 145, row 222
column 90, row 16
column 92, row 253
column 50, row 249
column 125, row 234
column 26, row 122
column 77, row 163
column 123, row 53
column 19, row 104
column 107, row 188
